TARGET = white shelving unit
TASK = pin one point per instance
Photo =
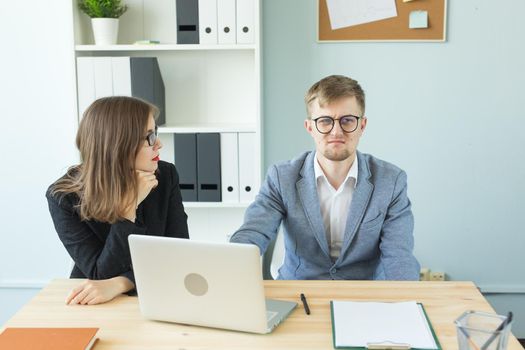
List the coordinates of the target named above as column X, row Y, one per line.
column 162, row 47
column 209, row 88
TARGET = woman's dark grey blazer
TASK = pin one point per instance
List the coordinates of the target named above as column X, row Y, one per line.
column 100, row 250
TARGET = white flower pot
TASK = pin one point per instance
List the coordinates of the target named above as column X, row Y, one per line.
column 105, row 30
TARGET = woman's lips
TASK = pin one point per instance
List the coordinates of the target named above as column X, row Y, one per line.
column 156, row 159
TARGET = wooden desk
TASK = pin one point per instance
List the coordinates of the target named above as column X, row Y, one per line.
column 122, row 326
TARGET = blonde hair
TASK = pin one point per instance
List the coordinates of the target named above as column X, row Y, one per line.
column 109, row 137
column 333, row 88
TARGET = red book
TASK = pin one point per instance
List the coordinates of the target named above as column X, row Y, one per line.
column 48, row 338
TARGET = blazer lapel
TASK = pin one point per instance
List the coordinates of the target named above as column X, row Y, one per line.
column 307, row 190
column 360, row 199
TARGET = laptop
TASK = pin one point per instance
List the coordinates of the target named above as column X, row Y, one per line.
column 208, row 284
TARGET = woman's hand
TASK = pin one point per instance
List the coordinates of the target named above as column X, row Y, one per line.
column 97, row 292
column 146, row 181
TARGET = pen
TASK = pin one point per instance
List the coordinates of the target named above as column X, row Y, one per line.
column 305, row 304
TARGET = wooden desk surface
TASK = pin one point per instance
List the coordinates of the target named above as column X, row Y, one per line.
column 123, row 327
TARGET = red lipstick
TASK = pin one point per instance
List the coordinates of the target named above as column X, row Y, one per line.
column 156, row 159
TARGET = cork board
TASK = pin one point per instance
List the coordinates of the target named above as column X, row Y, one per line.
column 390, row 29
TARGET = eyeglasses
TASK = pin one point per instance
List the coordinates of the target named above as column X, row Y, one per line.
column 325, row 124
column 152, row 136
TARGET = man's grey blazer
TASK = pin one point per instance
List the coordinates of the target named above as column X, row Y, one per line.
column 378, row 240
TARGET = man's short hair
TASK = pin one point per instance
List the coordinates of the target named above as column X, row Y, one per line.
column 333, row 88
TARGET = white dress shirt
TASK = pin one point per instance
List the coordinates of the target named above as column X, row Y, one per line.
column 335, row 205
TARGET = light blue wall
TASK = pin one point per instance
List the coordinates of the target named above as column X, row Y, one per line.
column 12, row 300
column 451, row 114
column 37, row 95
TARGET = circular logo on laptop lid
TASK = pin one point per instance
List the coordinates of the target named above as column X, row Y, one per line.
column 196, row 284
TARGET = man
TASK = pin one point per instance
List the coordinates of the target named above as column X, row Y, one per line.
column 345, row 214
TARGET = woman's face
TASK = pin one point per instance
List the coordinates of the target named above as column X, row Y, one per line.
column 148, row 156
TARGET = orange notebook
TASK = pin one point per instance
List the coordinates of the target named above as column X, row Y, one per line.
column 48, row 338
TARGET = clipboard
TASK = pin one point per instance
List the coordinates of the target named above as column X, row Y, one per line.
column 386, row 346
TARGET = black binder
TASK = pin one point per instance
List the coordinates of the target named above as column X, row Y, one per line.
column 187, row 21
column 147, row 83
column 186, row 162
column 209, row 167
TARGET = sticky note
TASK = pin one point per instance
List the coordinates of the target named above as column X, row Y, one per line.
column 418, row 19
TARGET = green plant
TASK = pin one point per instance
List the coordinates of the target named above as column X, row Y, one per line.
column 102, row 8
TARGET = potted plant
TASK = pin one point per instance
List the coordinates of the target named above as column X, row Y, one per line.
column 104, row 16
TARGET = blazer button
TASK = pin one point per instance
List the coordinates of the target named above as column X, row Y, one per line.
column 333, row 270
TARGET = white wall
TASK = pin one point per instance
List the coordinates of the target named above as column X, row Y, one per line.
column 37, row 92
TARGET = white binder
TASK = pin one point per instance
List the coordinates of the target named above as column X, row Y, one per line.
column 103, row 77
column 248, row 188
column 85, row 84
column 208, row 21
column 229, row 167
column 121, row 68
column 226, row 21
column 245, row 21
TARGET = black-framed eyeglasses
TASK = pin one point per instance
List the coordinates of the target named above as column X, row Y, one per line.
column 152, row 136
column 325, row 124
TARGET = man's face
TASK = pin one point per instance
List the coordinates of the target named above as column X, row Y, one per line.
column 337, row 145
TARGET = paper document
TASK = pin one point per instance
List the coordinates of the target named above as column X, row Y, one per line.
column 357, row 324
column 346, row 13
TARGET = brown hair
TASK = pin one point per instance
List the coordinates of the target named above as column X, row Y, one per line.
column 331, row 89
column 109, row 138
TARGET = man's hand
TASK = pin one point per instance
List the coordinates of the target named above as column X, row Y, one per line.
column 93, row 292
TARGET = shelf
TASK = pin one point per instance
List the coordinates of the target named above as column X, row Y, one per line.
column 214, row 205
column 161, row 47
column 184, row 129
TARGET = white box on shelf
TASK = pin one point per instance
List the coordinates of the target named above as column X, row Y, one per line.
column 103, row 77
column 245, row 21
column 226, row 21
column 121, row 67
column 229, row 167
column 208, row 22
column 248, row 186
column 85, row 84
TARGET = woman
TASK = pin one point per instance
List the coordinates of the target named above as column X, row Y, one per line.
column 120, row 188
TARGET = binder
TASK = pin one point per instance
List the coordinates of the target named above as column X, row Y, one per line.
column 85, row 84
column 103, row 77
column 121, row 76
column 208, row 167
column 226, row 21
column 208, row 21
column 147, row 83
column 229, row 167
column 186, row 162
column 247, row 186
column 245, row 21
column 187, row 21
column 399, row 326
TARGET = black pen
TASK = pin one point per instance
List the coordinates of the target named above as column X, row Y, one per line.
column 305, row 304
